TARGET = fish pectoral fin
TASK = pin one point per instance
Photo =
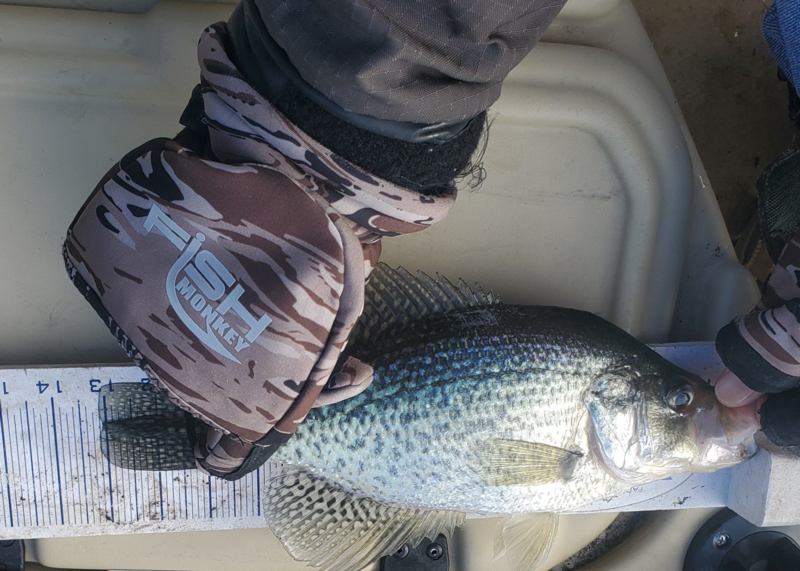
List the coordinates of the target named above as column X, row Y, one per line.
column 517, row 462
column 319, row 522
column 526, row 540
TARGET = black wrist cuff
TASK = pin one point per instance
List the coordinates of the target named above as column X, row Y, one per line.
column 780, row 418
column 746, row 363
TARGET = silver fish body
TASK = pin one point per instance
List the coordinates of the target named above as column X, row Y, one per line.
column 447, row 385
column 476, row 407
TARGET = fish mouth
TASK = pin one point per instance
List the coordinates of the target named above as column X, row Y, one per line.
column 725, row 437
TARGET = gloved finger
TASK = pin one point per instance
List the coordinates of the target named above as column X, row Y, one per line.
column 780, row 418
column 732, row 392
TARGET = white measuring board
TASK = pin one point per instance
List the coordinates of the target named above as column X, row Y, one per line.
column 56, row 481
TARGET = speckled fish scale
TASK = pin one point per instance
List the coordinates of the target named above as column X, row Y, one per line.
column 448, row 383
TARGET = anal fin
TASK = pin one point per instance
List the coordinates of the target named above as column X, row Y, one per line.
column 320, row 523
column 517, row 462
column 526, row 540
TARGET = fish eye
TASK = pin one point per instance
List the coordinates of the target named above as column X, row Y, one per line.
column 680, row 397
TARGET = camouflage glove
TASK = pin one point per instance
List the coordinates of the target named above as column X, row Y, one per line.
column 762, row 349
column 230, row 264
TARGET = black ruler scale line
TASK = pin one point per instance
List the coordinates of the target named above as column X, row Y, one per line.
column 33, row 473
column 9, row 517
column 66, row 443
column 108, row 462
column 43, row 437
column 58, row 460
column 22, row 467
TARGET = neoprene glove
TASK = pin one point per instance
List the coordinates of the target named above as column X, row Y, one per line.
column 763, row 348
column 230, row 263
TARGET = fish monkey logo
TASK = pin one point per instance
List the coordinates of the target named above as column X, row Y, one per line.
column 195, row 282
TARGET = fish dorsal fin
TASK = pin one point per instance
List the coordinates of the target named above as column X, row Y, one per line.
column 397, row 297
column 320, row 523
column 526, row 540
column 516, row 462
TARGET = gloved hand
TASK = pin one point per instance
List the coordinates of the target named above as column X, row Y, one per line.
column 778, row 414
column 230, row 263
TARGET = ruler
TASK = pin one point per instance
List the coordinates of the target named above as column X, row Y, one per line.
column 56, row 480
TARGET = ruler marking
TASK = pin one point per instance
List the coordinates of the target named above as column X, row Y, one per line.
column 94, row 473
column 135, row 485
column 45, row 435
column 174, row 507
column 210, row 507
column 194, row 496
column 66, row 449
column 185, row 501
column 20, row 465
column 56, row 435
column 108, row 461
column 185, row 498
column 67, row 458
column 144, row 478
column 83, row 460
column 195, row 501
column 254, row 502
column 41, row 473
column 142, row 485
column 186, row 495
column 34, row 479
column 202, row 508
column 244, row 506
column 210, row 501
column 58, row 461
column 76, row 470
column 41, row 433
column 146, row 481
column 13, row 451
column 160, row 496
column 248, row 506
column 8, row 516
column 5, row 463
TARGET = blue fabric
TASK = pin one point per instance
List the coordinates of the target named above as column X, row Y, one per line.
column 782, row 32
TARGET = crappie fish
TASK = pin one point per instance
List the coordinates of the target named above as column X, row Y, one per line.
column 482, row 408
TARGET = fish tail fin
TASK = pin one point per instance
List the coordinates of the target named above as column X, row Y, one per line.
column 323, row 524
column 526, row 540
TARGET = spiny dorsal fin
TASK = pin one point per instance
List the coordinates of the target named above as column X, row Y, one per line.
column 329, row 527
column 396, row 297
column 526, row 540
column 520, row 463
